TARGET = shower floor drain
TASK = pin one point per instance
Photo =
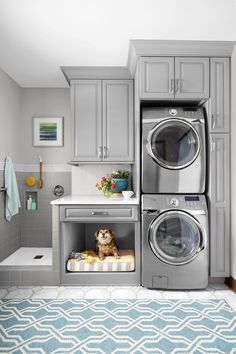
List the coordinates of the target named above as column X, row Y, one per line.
column 38, row 256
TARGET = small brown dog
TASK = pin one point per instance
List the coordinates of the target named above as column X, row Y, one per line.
column 105, row 244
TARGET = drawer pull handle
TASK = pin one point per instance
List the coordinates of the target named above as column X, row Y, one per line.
column 99, row 213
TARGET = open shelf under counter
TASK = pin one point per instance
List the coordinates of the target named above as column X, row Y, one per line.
column 78, row 224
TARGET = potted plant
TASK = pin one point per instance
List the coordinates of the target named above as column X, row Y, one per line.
column 107, row 185
column 120, row 178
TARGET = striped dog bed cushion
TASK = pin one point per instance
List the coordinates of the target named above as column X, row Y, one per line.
column 110, row 264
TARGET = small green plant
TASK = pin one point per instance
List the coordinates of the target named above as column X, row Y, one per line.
column 120, row 174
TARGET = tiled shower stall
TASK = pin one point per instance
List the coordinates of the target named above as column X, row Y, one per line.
column 31, row 228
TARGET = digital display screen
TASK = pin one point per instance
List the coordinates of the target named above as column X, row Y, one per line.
column 190, row 109
column 191, row 199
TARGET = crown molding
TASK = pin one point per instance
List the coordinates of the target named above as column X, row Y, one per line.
column 95, row 72
column 140, row 47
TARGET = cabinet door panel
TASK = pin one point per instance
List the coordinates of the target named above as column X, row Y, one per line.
column 118, row 137
column 157, row 77
column 219, row 95
column 86, row 130
column 192, row 78
column 219, row 205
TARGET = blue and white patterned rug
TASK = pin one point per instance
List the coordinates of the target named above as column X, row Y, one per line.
column 116, row 326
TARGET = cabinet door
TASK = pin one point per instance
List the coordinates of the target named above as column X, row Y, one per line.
column 157, row 77
column 192, row 78
column 87, row 120
column 118, row 139
column 219, row 114
column 219, row 194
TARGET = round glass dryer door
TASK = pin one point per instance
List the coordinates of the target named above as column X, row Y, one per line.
column 173, row 144
column 175, row 237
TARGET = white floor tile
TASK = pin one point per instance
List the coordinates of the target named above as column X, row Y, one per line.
column 97, row 293
column 71, row 293
column 201, row 295
column 149, row 294
column 175, row 295
column 3, row 292
column 124, row 293
column 19, row 294
column 115, row 292
column 45, row 293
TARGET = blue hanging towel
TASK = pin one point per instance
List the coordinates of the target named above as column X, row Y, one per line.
column 12, row 193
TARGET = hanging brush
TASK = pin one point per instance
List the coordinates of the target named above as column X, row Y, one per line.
column 40, row 180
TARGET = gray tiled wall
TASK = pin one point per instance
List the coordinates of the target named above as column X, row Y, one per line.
column 36, row 226
column 9, row 231
column 31, row 228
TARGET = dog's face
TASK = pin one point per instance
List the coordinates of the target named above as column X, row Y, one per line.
column 104, row 236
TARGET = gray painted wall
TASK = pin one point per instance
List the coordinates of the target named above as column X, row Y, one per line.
column 44, row 103
column 10, row 104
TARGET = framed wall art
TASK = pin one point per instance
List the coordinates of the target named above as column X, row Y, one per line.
column 48, row 131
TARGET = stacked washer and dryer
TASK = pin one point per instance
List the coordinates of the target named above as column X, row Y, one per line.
column 175, row 234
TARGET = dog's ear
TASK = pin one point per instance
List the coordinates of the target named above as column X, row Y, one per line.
column 96, row 234
column 112, row 232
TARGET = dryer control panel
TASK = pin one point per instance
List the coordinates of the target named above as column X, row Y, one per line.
column 185, row 201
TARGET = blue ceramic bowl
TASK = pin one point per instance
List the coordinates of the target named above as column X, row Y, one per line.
column 121, row 185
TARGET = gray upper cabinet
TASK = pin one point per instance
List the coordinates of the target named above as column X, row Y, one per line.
column 102, row 126
column 157, row 77
column 117, row 120
column 219, row 194
column 191, row 78
column 174, row 78
column 87, row 120
column 220, row 85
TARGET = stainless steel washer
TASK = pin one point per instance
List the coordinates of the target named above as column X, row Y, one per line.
column 173, row 150
column 174, row 241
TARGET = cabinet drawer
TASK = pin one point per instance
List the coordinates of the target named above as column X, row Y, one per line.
column 75, row 213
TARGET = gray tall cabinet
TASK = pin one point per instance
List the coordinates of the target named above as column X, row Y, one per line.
column 219, row 163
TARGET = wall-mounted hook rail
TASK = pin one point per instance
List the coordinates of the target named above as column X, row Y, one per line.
column 3, row 189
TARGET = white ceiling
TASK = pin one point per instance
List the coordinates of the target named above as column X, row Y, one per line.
column 39, row 36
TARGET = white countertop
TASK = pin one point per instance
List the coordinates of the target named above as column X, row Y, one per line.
column 93, row 199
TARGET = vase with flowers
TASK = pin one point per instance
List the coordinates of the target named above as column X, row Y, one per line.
column 107, row 185
column 120, row 178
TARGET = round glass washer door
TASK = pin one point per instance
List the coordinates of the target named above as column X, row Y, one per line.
column 175, row 237
column 173, row 144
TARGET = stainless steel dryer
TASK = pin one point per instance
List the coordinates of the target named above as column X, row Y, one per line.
column 173, row 150
column 174, row 241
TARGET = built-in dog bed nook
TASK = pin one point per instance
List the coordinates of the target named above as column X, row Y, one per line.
column 90, row 262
